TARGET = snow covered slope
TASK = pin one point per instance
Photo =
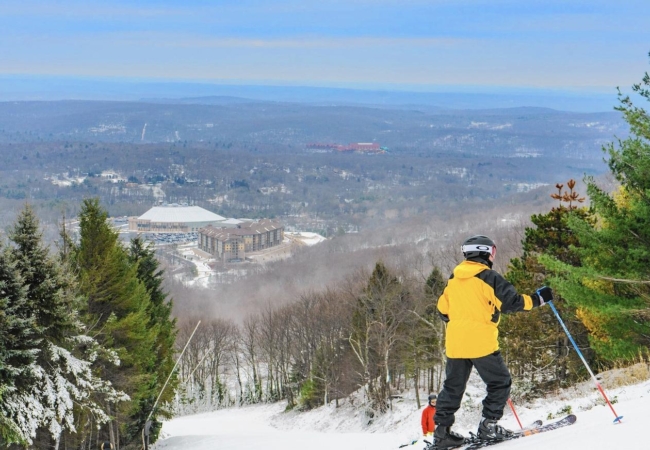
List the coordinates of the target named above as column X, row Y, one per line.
column 268, row 427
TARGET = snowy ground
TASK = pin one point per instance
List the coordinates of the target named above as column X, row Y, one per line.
column 305, row 237
column 268, row 427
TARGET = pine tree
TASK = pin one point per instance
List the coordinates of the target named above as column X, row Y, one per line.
column 117, row 309
column 610, row 290
column 18, row 344
column 159, row 311
column 551, row 235
column 48, row 287
column 60, row 378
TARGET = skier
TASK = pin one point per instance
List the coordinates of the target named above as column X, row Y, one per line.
column 428, row 424
column 471, row 305
column 106, row 445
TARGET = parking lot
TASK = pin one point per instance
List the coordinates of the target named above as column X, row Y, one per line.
column 171, row 238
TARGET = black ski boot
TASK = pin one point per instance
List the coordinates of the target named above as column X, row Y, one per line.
column 443, row 438
column 488, row 430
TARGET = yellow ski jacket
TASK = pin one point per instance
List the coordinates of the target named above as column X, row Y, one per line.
column 472, row 304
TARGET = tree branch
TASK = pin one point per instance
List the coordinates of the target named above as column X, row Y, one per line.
column 623, row 280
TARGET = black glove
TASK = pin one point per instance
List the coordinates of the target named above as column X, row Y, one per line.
column 444, row 317
column 542, row 296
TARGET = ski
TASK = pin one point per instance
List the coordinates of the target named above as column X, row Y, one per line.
column 474, row 442
column 535, row 424
column 430, row 446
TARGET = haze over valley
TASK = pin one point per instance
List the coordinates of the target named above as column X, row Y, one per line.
column 441, row 173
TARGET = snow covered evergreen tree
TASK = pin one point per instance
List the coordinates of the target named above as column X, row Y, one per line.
column 18, row 344
column 60, row 380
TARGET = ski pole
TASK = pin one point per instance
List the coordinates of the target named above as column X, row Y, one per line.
column 514, row 412
column 550, row 303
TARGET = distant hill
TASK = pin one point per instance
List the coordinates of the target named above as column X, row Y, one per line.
column 14, row 87
column 291, row 125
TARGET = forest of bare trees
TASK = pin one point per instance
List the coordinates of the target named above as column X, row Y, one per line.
column 375, row 332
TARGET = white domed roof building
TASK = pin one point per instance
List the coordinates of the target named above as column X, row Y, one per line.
column 175, row 219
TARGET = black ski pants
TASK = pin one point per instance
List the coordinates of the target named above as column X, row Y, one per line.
column 493, row 372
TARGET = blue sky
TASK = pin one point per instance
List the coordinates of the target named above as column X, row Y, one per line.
column 408, row 44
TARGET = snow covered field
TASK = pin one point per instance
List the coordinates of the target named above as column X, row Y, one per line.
column 305, row 237
column 268, row 427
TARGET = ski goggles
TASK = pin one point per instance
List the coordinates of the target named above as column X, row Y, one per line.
column 491, row 249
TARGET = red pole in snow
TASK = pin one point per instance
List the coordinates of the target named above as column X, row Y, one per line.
column 514, row 412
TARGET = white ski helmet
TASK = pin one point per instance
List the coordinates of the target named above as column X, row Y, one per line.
column 478, row 246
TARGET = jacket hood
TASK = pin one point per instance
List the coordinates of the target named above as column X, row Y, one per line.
column 469, row 269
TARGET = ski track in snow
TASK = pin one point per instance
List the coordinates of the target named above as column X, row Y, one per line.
column 268, row 427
